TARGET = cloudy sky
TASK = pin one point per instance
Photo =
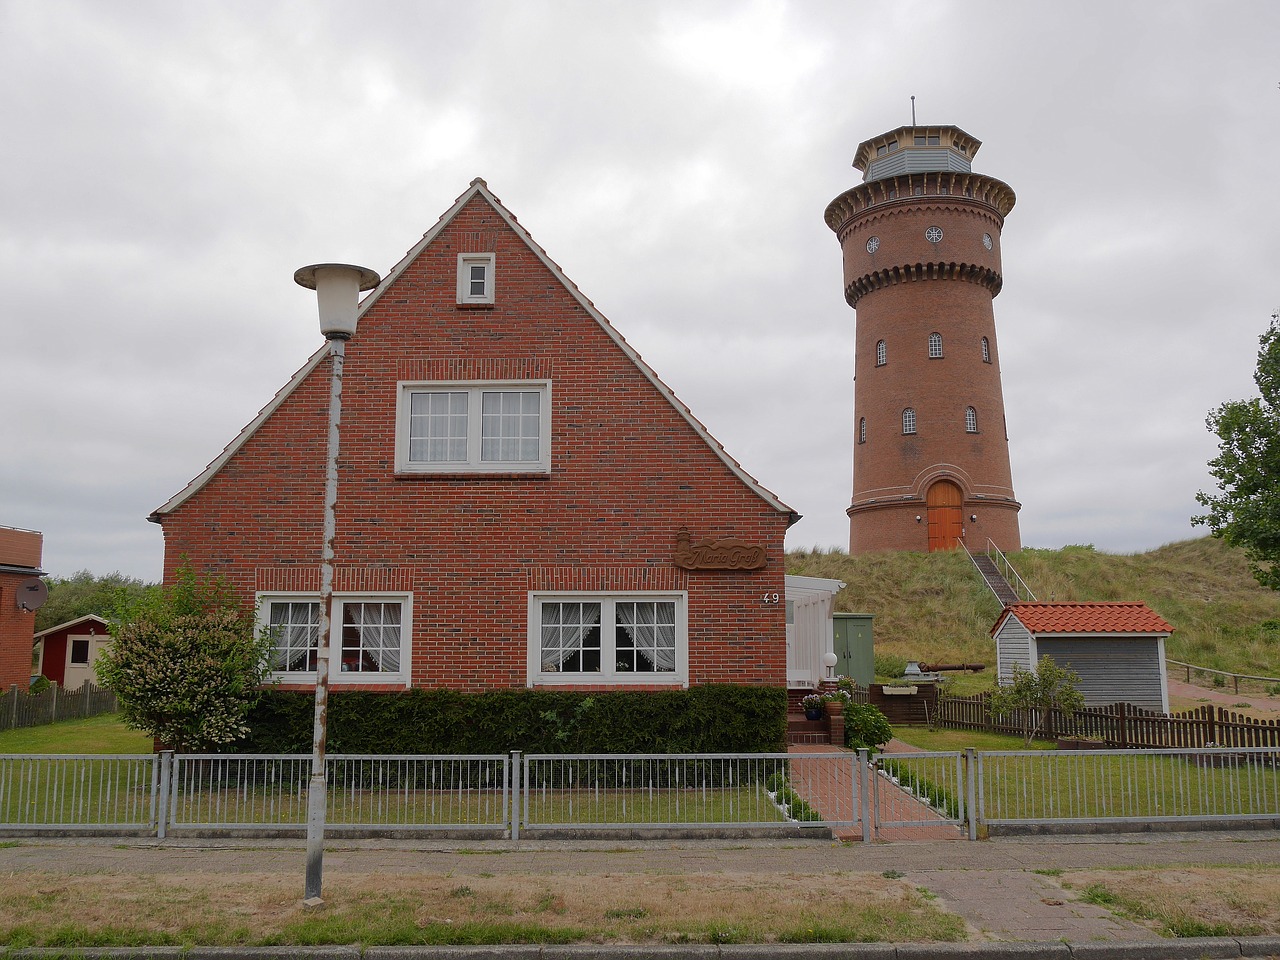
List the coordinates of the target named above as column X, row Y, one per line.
column 164, row 167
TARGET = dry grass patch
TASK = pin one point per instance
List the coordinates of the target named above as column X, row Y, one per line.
column 1188, row 901
column 265, row 909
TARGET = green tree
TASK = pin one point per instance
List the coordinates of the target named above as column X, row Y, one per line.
column 1247, row 511
column 186, row 664
column 1034, row 693
column 83, row 593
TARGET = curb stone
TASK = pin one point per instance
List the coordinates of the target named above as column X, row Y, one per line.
column 1191, row 948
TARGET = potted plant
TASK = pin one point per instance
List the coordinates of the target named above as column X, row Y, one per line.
column 835, row 701
column 812, row 704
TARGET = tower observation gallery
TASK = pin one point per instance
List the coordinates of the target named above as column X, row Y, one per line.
column 921, row 243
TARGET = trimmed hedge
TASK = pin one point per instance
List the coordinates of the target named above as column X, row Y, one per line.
column 712, row 718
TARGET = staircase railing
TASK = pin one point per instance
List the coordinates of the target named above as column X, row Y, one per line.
column 1010, row 575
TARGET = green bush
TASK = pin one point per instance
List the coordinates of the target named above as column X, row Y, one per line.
column 711, row 718
column 39, row 685
column 866, row 726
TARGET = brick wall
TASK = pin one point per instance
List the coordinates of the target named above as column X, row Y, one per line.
column 627, row 473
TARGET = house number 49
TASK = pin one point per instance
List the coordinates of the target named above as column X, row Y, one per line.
column 771, row 598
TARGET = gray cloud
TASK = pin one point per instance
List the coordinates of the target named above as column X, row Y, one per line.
column 167, row 166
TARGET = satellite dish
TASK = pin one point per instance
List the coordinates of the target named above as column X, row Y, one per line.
column 32, row 593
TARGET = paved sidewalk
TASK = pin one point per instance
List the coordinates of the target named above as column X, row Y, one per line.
column 990, row 884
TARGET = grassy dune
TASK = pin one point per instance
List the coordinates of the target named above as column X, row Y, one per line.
column 935, row 607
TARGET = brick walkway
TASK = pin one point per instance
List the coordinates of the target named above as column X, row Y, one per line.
column 837, row 798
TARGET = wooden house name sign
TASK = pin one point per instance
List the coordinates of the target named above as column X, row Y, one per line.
column 730, row 554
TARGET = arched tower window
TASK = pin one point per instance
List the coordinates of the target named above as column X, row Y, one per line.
column 882, row 354
column 909, row 420
column 935, row 346
column 986, row 350
column 862, row 430
column 970, row 420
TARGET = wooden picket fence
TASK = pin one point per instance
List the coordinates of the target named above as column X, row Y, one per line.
column 1119, row 725
column 19, row 709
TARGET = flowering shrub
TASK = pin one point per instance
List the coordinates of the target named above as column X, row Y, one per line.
column 186, row 665
column 811, row 701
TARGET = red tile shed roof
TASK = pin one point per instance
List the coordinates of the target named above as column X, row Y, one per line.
column 1121, row 617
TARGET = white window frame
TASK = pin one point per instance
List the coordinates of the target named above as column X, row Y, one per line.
column 986, row 350
column 486, row 261
column 935, row 346
column 862, row 429
column 882, row 353
column 337, row 675
column 970, row 420
column 475, row 390
column 908, row 421
column 608, row 674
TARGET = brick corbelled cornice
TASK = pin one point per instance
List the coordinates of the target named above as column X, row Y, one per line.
column 982, row 191
column 909, row 272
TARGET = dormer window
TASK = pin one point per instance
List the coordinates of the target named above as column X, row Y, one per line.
column 475, row 278
column 927, row 140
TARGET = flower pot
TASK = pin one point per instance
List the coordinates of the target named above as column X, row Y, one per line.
column 834, row 708
column 813, row 713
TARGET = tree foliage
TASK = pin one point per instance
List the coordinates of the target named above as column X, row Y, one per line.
column 1034, row 693
column 186, row 664
column 84, row 593
column 1247, row 511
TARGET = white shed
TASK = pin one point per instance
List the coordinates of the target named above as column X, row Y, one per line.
column 1116, row 648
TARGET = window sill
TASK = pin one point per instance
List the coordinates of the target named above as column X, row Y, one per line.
column 477, row 475
column 475, row 306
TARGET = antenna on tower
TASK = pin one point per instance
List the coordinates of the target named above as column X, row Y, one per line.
column 913, row 109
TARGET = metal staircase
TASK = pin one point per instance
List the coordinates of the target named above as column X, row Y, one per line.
column 999, row 575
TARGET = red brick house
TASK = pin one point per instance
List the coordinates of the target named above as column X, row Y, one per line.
column 20, row 553
column 522, row 501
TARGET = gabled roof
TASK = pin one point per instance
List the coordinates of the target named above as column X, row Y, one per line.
column 1131, row 619
column 90, row 619
column 478, row 188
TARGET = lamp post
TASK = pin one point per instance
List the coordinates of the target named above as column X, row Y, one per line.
column 337, row 287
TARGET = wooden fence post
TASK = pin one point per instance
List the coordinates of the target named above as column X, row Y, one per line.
column 1123, row 725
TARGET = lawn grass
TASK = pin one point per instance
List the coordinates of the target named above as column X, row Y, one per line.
column 100, row 734
column 1186, row 902
column 36, row 910
column 944, row 740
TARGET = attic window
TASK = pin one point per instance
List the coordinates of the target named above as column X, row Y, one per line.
column 475, row 278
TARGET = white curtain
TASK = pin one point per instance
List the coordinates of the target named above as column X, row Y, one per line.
column 564, row 627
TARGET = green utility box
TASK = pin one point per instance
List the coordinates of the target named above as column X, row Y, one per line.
column 855, row 654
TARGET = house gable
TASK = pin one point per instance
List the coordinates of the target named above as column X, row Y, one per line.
column 472, row 560
column 475, row 236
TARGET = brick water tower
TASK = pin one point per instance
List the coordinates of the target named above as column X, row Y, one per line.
column 921, row 242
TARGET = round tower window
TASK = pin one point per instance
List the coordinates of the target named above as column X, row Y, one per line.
column 933, row 234
column 873, row 245
column 986, row 240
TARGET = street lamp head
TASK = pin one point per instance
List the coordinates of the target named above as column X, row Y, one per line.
column 337, row 287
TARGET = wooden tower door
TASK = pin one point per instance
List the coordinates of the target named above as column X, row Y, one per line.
column 946, row 522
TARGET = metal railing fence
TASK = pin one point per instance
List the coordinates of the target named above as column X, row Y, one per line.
column 921, row 789
column 366, row 793
column 758, row 791
column 501, row 795
column 1127, row 786
column 78, row 792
